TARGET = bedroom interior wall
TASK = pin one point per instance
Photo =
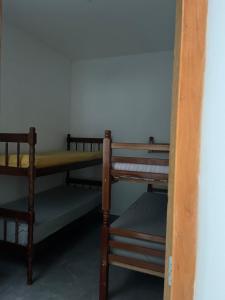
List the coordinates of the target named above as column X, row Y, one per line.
column 210, row 267
column 35, row 91
column 131, row 95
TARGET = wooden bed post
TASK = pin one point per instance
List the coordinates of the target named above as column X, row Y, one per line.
column 106, row 204
column 31, row 183
column 151, row 141
column 68, row 149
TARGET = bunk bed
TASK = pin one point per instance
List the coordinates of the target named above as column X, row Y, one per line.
column 136, row 240
column 27, row 221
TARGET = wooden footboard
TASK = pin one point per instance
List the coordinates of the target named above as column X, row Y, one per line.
column 83, row 145
column 8, row 218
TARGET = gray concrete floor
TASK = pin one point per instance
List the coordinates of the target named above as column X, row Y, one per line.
column 70, row 270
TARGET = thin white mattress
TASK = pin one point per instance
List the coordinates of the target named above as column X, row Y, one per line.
column 54, row 209
column 140, row 168
column 146, row 215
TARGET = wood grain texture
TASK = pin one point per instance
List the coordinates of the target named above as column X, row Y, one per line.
column 185, row 142
column 113, row 259
column 141, row 160
column 146, row 147
column 137, row 235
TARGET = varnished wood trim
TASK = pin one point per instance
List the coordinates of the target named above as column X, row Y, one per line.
column 137, row 269
column 137, row 235
column 139, row 175
column 146, row 147
column 14, row 214
column 84, row 140
column 136, row 249
column 13, row 171
column 63, row 168
column 140, row 160
column 185, row 143
column 113, row 259
column 14, row 137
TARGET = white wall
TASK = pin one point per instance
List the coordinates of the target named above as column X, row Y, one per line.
column 35, row 91
column 211, row 238
column 131, row 95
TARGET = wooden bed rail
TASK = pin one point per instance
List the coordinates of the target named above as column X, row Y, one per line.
column 146, row 147
column 140, row 160
column 84, row 142
column 14, row 215
column 18, row 139
column 28, row 138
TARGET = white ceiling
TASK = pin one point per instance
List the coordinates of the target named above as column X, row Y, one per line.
column 85, row 29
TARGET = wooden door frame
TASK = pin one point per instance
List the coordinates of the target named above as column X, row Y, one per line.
column 189, row 62
column 188, row 80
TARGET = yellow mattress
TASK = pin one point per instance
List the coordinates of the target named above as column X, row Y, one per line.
column 50, row 159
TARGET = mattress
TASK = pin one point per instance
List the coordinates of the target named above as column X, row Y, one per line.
column 159, row 169
column 54, row 209
column 50, row 159
column 146, row 215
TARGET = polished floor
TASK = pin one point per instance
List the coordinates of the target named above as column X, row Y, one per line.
column 69, row 269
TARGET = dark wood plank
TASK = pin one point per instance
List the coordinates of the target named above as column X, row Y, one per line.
column 136, row 249
column 14, row 137
column 141, row 160
column 85, row 181
column 67, row 167
column 13, row 171
column 137, row 235
column 85, row 140
column 136, row 263
column 136, row 146
column 139, row 175
column 14, row 214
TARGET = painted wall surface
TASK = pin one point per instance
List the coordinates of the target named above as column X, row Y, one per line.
column 35, row 91
column 131, row 95
column 211, row 242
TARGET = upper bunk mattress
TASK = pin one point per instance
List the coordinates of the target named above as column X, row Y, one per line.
column 54, row 209
column 51, row 159
column 147, row 215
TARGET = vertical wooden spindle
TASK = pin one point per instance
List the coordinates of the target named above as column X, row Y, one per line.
column 18, row 155
column 6, row 154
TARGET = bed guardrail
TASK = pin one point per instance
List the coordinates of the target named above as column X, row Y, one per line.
column 84, row 144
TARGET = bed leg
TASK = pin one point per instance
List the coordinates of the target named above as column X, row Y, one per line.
column 104, row 268
column 29, row 265
column 30, row 248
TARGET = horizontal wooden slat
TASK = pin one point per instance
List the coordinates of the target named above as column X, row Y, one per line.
column 136, row 263
column 85, row 140
column 14, row 137
column 136, row 249
column 14, row 214
column 13, row 171
column 85, row 181
column 67, row 167
column 147, row 147
column 139, row 175
column 141, row 160
column 137, row 235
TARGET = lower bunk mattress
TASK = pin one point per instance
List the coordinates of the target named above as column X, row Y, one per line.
column 147, row 215
column 54, row 209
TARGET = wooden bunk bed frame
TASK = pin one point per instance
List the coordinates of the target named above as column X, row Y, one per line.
column 111, row 175
column 32, row 173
